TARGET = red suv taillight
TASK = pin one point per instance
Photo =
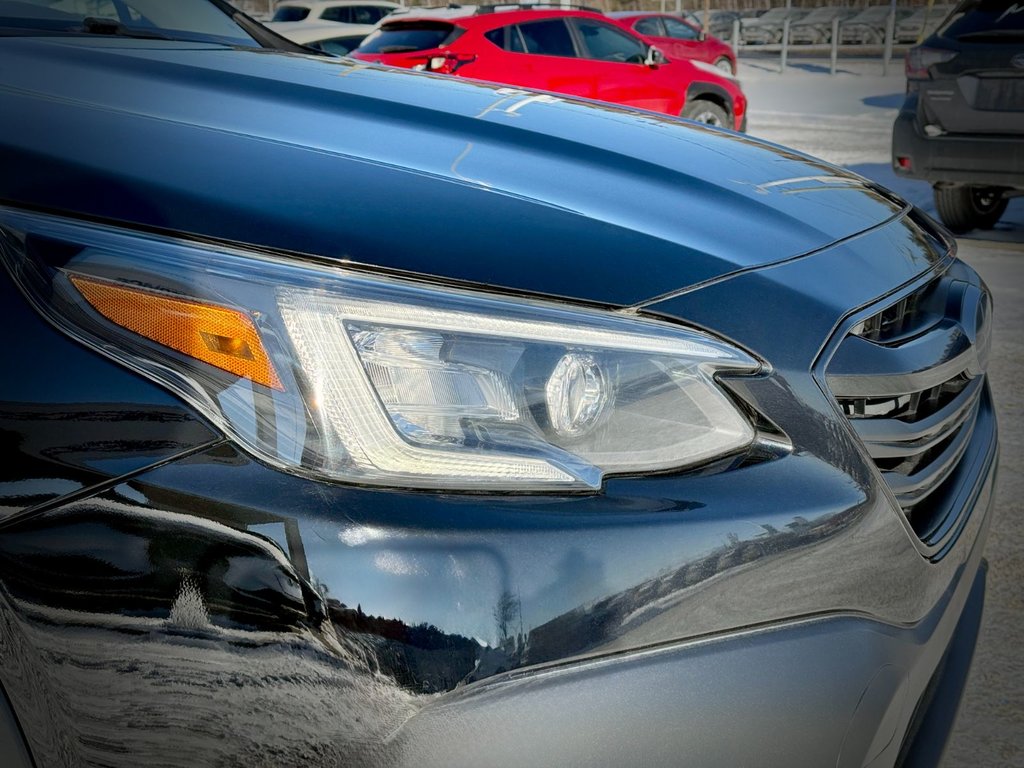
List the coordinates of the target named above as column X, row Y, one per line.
column 920, row 59
column 449, row 62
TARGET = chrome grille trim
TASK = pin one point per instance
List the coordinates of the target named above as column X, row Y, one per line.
column 912, row 489
column 925, row 361
column 910, row 378
column 894, row 436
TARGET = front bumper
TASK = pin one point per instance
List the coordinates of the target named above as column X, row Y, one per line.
column 776, row 613
column 833, row 688
column 840, row 691
column 808, row 35
column 956, row 159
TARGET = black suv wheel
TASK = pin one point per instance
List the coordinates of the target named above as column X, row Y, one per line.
column 963, row 208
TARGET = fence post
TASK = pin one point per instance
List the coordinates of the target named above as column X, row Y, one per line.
column 736, row 36
column 890, row 32
column 785, row 46
column 834, row 56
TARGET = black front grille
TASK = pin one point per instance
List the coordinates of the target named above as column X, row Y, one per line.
column 910, row 379
column 896, row 319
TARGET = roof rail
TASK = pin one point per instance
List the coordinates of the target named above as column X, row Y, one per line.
column 498, row 7
column 452, row 9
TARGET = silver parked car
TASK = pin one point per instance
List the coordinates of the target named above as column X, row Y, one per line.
column 868, row 26
column 768, row 28
column 816, row 27
column 921, row 23
column 330, row 37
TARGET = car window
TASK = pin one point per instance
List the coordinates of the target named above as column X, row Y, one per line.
column 607, row 43
column 101, row 8
column 985, row 19
column 192, row 20
column 650, row 26
column 339, row 46
column 550, row 37
column 680, row 30
column 355, row 14
column 497, row 36
column 409, row 36
column 290, row 13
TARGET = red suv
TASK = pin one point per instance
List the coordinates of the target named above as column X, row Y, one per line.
column 678, row 38
column 580, row 53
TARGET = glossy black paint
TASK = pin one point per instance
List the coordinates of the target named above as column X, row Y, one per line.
column 70, row 419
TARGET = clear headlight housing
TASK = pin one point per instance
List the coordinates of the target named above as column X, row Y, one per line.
column 346, row 375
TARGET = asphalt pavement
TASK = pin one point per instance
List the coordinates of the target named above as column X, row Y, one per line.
column 990, row 729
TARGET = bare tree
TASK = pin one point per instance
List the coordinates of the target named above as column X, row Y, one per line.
column 505, row 612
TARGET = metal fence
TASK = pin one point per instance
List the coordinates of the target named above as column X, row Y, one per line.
column 266, row 7
column 732, row 32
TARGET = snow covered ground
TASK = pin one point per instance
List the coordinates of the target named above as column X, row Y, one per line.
column 845, row 119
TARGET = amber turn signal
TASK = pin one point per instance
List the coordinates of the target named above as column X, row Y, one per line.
column 222, row 337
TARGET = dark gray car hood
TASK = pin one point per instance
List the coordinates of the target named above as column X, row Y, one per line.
column 413, row 172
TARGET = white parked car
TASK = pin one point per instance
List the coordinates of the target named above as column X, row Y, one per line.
column 922, row 23
column 345, row 11
column 869, row 26
column 329, row 37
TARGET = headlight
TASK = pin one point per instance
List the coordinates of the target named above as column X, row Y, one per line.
column 363, row 378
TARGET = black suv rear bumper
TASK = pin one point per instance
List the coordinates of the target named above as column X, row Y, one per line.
column 993, row 160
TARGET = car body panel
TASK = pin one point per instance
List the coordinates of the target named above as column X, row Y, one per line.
column 816, row 27
column 963, row 117
column 330, row 37
column 709, row 49
column 921, row 23
column 70, row 439
column 659, row 87
column 168, row 598
column 665, row 577
column 678, row 239
column 870, row 25
column 768, row 27
column 329, row 11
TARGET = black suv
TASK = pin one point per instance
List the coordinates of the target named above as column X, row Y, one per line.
column 962, row 124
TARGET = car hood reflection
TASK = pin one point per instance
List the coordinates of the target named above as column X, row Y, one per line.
column 640, row 192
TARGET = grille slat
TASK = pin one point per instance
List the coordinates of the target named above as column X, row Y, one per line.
column 862, row 368
column 914, row 488
column 915, row 435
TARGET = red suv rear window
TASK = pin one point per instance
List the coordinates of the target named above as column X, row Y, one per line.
column 402, row 36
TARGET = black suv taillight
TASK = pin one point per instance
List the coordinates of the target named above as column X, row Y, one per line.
column 921, row 58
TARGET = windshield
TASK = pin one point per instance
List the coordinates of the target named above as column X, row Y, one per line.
column 872, row 14
column 290, row 13
column 982, row 20
column 935, row 12
column 190, row 20
column 408, row 36
column 827, row 14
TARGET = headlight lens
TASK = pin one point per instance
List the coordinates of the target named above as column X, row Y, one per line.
column 357, row 377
